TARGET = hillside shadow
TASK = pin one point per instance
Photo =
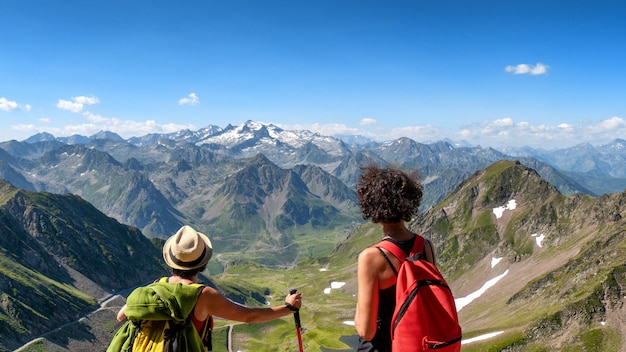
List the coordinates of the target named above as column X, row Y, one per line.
column 77, row 331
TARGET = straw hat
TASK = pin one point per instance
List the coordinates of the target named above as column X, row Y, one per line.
column 187, row 249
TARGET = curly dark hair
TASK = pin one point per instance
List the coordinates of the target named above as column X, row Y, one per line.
column 388, row 194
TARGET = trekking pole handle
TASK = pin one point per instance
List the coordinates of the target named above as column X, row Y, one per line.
column 296, row 314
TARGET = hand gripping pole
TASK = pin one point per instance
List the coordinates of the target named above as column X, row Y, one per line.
column 296, row 317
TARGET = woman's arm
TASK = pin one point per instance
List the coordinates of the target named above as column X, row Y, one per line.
column 212, row 302
column 367, row 294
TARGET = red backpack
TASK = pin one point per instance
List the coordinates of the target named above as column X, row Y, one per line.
column 425, row 316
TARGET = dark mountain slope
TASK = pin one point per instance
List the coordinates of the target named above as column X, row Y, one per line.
column 8, row 171
column 405, row 151
column 598, row 183
column 263, row 196
column 125, row 194
column 327, row 187
column 30, row 150
column 562, row 180
column 348, row 169
column 59, row 257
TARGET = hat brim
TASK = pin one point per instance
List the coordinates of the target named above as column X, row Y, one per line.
column 171, row 262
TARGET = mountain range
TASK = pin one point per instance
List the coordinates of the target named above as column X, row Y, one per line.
column 159, row 181
column 286, row 200
column 557, row 260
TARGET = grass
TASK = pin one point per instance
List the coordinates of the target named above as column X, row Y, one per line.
column 322, row 315
column 8, row 196
column 27, row 277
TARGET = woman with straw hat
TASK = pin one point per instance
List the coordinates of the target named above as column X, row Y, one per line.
column 187, row 253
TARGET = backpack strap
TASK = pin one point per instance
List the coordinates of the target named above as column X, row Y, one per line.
column 388, row 260
column 391, row 246
column 205, row 333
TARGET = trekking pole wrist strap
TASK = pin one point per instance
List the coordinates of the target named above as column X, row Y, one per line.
column 291, row 307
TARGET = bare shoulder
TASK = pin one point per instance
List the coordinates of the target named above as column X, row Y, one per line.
column 371, row 259
column 369, row 253
column 209, row 291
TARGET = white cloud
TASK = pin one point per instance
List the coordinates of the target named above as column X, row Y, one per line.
column 503, row 132
column 128, row 128
column 97, row 118
column 25, row 128
column 503, row 122
column 8, row 105
column 192, row 99
column 612, row 124
column 325, row 129
column 565, row 127
column 507, row 132
column 86, row 100
column 69, row 106
column 526, row 69
column 76, row 104
column 96, row 123
column 368, row 121
column 419, row 133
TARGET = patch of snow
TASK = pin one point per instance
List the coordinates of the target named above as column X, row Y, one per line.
column 334, row 285
column 323, row 269
column 511, row 205
column 539, row 238
column 337, row 284
column 349, row 322
column 463, row 301
column 430, row 179
column 495, row 261
column 498, row 211
column 481, row 337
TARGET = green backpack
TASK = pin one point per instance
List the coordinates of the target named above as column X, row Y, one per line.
column 158, row 320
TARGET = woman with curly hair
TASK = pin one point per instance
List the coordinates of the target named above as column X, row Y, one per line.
column 389, row 197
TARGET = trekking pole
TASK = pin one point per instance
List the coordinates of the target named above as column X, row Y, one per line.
column 296, row 317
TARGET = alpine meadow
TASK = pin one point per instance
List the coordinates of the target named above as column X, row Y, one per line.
column 532, row 242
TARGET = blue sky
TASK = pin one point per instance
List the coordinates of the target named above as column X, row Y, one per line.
column 494, row 73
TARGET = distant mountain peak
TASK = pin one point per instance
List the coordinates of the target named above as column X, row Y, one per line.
column 40, row 137
column 107, row 135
